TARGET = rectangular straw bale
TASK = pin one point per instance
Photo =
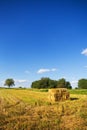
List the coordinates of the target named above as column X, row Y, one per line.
column 58, row 94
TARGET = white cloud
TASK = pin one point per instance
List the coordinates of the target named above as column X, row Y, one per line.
column 21, row 81
column 40, row 71
column 84, row 52
column 74, row 83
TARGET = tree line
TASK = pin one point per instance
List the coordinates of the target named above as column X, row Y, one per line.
column 49, row 83
column 46, row 82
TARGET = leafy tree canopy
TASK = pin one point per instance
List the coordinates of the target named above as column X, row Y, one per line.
column 49, row 83
column 82, row 83
column 9, row 82
column 61, row 83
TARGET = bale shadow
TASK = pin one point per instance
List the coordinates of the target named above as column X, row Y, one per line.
column 72, row 99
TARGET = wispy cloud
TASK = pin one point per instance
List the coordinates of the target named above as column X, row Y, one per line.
column 74, row 83
column 53, row 69
column 40, row 71
column 21, row 81
column 85, row 66
column 84, row 52
column 27, row 72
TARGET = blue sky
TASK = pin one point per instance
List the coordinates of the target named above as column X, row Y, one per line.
column 43, row 39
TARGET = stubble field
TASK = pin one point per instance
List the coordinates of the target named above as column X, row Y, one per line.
column 30, row 109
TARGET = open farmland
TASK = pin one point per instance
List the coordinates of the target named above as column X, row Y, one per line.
column 30, row 109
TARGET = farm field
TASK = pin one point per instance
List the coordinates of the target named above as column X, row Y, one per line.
column 30, row 109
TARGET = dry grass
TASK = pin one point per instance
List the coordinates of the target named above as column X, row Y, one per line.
column 30, row 110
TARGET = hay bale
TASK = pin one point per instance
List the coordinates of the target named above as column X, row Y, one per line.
column 58, row 94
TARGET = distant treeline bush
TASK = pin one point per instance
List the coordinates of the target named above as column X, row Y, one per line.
column 49, row 83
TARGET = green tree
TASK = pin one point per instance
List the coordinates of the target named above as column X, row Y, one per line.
column 35, row 84
column 49, row 83
column 9, row 82
column 52, row 83
column 82, row 83
column 61, row 83
column 44, row 83
column 68, row 85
